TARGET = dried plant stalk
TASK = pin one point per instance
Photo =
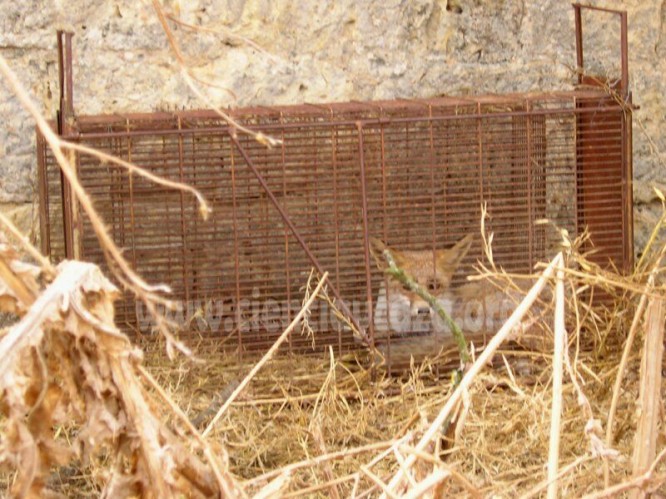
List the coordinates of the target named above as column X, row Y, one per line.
column 65, row 363
column 271, row 351
column 482, row 360
column 649, row 402
column 556, row 407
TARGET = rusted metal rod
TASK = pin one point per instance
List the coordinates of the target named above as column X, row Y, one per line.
column 297, row 235
column 366, row 235
column 624, row 50
column 367, row 122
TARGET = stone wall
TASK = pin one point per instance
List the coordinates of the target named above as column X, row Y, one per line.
column 328, row 50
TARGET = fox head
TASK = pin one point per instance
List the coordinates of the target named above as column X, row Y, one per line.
column 432, row 271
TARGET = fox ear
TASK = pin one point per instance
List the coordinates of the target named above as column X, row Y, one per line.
column 377, row 248
column 452, row 257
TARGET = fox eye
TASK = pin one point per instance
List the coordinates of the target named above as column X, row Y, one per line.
column 434, row 286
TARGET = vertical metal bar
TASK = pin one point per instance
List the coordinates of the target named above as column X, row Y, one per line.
column 387, row 290
column 479, row 136
column 234, row 211
column 183, row 228
column 382, row 151
column 133, row 231
column 445, row 175
column 315, row 219
column 530, row 194
column 579, row 41
column 65, row 80
column 627, row 187
column 433, row 203
column 578, row 166
column 71, row 220
column 624, row 51
column 286, row 234
column 287, row 220
column 366, row 236
column 168, row 206
column 130, row 176
column 197, row 289
column 431, row 161
column 43, row 183
column 336, row 217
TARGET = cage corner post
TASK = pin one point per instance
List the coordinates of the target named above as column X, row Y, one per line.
column 66, row 125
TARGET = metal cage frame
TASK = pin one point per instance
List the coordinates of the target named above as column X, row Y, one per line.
column 412, row 172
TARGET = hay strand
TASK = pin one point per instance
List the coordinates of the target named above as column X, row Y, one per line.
column 556, row 406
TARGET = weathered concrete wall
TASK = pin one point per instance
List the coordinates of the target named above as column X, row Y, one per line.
column 328, row 50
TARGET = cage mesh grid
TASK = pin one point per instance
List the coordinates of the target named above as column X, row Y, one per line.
column 428, row 166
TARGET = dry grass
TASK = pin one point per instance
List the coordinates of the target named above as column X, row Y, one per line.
column 329, row 407
column 300, row 409
column 86, row 412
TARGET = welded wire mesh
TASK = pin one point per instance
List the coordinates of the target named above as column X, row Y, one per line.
column 413, row 173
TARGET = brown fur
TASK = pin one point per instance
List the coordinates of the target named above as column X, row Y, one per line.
column 432, row 270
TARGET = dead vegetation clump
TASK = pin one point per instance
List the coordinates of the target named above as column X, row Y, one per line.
column 73, row 394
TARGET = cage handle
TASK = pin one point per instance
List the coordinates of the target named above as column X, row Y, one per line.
column 624, row 81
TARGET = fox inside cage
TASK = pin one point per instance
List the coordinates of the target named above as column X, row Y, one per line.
column 347, row 181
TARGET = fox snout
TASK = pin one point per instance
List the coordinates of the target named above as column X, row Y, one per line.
column 420, row 309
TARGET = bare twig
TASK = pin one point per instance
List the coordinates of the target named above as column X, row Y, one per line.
column 567, row 469
column 223, row 31
column 189, row 79
column 316, row 461
column 32, row 251
column 267, row 356
column 117, row 263
column 640, row 482
column 628, row 346
column 222, row 480
column 204, row 208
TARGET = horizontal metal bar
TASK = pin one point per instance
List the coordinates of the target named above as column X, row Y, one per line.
column 222, row 129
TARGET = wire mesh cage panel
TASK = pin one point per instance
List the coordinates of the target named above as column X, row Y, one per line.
column 413, row 173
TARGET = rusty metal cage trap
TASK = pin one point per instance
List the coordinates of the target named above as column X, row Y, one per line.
column 413, row 173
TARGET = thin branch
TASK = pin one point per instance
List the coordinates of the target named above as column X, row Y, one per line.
column 204, row 209
column 556, row 408
column 638, row 482
column 32, row 251
column 126, row 275
column 267, row 356
column 222, row 480
column 258, row 136
column 223, row 32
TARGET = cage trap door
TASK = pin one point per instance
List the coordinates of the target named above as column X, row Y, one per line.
column 603, row 154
